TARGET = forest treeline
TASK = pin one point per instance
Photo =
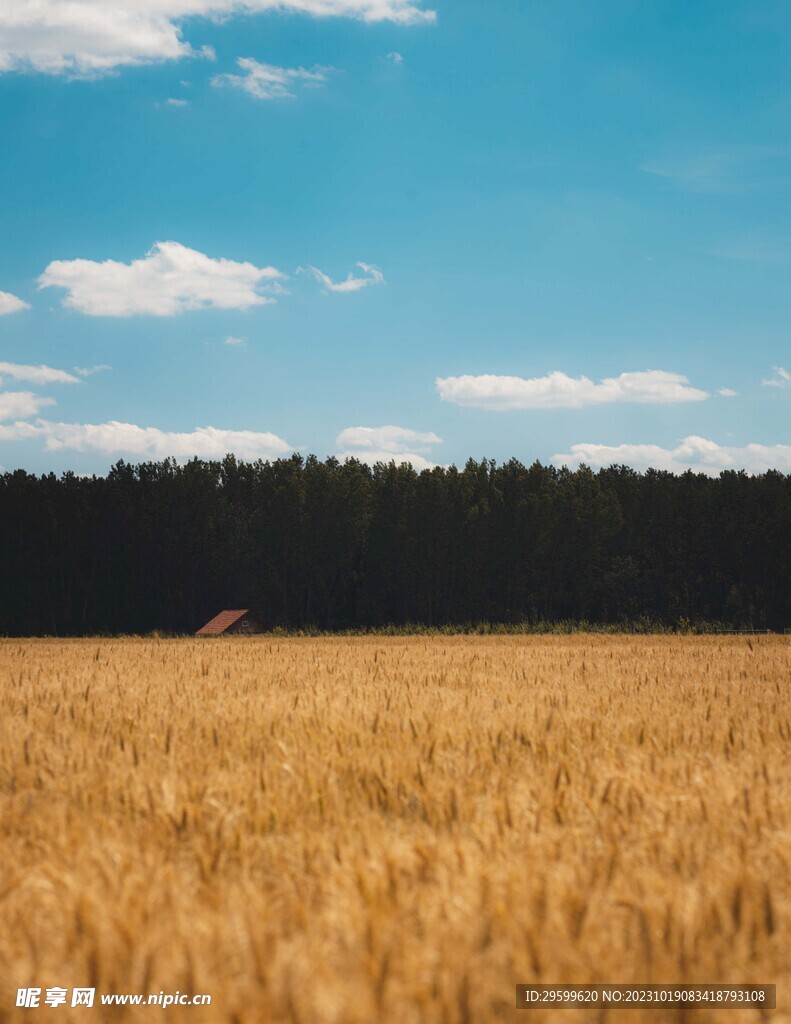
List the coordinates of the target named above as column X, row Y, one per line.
column 336, row 546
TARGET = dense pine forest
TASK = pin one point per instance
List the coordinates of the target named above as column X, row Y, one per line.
column 332, row 546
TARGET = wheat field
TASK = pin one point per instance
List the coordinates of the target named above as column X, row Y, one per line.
column 339, row 831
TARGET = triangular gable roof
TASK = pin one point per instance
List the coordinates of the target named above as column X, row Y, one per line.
column 221, row 622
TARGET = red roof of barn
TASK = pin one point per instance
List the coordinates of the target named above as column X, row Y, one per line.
column 221, row 622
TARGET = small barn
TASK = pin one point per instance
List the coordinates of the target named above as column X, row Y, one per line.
column 228, row 623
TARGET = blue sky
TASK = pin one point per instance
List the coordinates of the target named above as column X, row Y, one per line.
column 429, row 230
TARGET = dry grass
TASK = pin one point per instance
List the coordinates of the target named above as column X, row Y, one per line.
column 392, row 830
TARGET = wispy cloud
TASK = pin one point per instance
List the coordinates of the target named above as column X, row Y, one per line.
column 170, row 279
column 694, row 453
column 724, row 170
column 11, row 304
column 394, row 57
column 751, row 248
column 387, row 444
column 373, row 275
column 233, row 342
column 90, row 38
column 559, row 391
column 36, row 374
column 147, row 442
column 780, row 379
column 172, row 102
column 89, row 371
column 269, row 82
column 727, row 393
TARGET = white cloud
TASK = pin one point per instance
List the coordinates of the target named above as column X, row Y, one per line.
column 727, row 393
column 695, row 453
column 395, row 57
column 268, row 82
column 235, row 342
column 387, row 444
column 781, row 379
column 177, row 103
column 370, row 458
column 147, row 442
column 11, row 304
column 170, row 279
column 559, row 391
column 21, row 404
column 89, row 371
column 352, row 284
column 94, row 37
column 36, row 374
column 391, row 439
